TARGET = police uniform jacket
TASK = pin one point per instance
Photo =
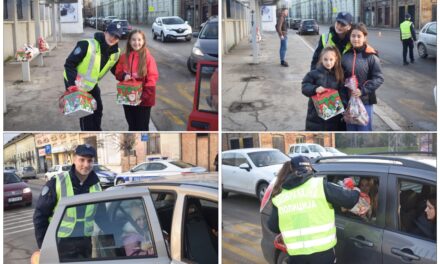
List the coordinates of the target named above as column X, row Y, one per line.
column 340, row 44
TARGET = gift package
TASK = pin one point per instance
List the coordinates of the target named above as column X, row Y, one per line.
column 26, row 53
column 356, row 114
column 42, row 45
column 363, row 205
column 129, row 92
column 77, row 103
column 328, row 104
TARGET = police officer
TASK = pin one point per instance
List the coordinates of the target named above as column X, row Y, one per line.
column 75, row 229
column 407, row 36
column 303, row 212
column 337, row 37
column 90, row 61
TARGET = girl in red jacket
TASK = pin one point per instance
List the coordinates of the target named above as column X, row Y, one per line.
column 138, row 63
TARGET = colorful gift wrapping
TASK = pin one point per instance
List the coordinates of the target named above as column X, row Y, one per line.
column 129, row 92
column 328, row 104
column 77, row 103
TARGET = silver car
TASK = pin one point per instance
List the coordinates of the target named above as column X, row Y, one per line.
column 427, row 43
column 27, row 172
column 206, row 46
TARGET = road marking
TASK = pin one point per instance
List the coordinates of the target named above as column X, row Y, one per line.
column 4, row 229
column 182, row 90
column 19, row 231
column 227, row 261
column 175, row 119
column 12, row 223
column 18, row 212
column 15, row 216
column 307, row 44
column 242, row 253
column 173, row 104
column 247, row 231
column 252, row 225
column 236, row 237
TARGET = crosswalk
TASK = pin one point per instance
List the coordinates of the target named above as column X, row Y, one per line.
column 241, row 243
column 17, row 222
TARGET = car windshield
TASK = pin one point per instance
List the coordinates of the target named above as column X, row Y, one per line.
column 316, row 148
column 10, row 178
column 100, row 168
column 209, row 31
column 173, row 21
column 268, row 158
column 332, row 150
column 9, row 168
column 66, row 168
column 309, row 22
column 181, row 164
column 122, row 23
column 28, row 169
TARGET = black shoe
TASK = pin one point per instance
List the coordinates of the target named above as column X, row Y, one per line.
column 285, row 64
column 405, row 63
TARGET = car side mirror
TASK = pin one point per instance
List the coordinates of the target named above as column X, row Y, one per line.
column 245, row 166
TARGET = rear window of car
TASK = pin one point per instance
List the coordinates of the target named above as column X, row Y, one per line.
column 10, row 178
column 122, row 23
column 209, row 31
column 181, row 164
column 28, row 169
column 66, row 168
column 268, row 158
column 309, row 22
column 173, row 21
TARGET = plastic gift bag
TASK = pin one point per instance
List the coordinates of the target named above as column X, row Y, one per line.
column 328, row 104
column 355, row 114
column 77, row 103
column 42, row 45
column 129, row 92
column 363, row 205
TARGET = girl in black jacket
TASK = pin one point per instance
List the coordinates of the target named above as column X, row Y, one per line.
column 328, row 75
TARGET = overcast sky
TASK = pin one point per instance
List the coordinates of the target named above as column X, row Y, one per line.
column 8, row 136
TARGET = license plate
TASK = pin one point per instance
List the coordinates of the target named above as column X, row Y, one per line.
column 309, row 29
column 15, row 199
column 180, row 37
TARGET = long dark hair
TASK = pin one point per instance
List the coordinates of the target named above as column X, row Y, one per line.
column 142, row 67
column 281, row 178
column 339, row 72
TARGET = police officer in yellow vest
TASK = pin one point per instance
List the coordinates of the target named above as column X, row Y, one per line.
column 407, row 36
column 89, row 61
column 77, row 225
column 303, row 212
column 337, row 36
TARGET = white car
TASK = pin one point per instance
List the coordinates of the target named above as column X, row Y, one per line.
column 55, row 170
column 335, row 152
column 171, row 28
column 310, row 150
column 427, row 42
column 249, row 171
column 157, row 168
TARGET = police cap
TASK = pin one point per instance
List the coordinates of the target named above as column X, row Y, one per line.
column 85, row 150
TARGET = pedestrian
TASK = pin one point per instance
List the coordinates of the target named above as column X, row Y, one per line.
column 75, row 230
column 88, row 63
column 282, row 28
column 338, row 36
column 303, row 212
column 362, row 61
column 328, row 75
column 138, row 64
column 407, row 36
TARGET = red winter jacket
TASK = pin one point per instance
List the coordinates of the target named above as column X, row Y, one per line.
column 148, row 82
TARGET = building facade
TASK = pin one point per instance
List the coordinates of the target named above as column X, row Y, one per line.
column 20, row 152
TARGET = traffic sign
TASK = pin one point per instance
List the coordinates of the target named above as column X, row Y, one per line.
column 48, row 149
column 144, row 137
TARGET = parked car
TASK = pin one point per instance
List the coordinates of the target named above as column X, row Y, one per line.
column 335, row 152
column 427, row 42
column 105, row 175
column 27, row 172
column 309, row 150
column 399, row 188
column 206, row 46
column 250, row 170
column 308, row 26
column 100, row 21
column 126, row 27
column 10, row 168
column 179, row 215
column 157, row 168
column 15, row 191
column 204, row 115
column 173, row 27
column 57, row 169
column 294, row 23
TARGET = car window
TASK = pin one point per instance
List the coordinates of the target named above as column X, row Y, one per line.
column 66, row 168
column 297, row 149
column 207, row 100
column 100, row 168
column 228, row 159
column 173, row 21
column 181, row 164
column 366, row 208
column 239, row 159
column 267, row 158
column 304, row 149
column 415, row 209
column 200, row 230
column 10, row 178
column 316, row 148
column 209, row 31
column 117, row 229
column 141, row 167
column 156, row 166
column 432, row 29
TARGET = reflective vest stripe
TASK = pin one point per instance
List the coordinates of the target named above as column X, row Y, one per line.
column 327, row 40
column 311, row 243
column 308, row 230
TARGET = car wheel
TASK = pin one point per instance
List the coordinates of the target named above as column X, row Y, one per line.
column 188, row 38
column 423, row 53
column 192, row 67
column 119, row 181
column 283, row 258
column 224, row 194
column 261, row 190
column 154, row 35
column 162, row 37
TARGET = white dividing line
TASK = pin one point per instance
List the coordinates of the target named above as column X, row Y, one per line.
column 4, row 229
column 12, row 223
column 307, row 44
column 17, row 216
column 19, row 231
column 19, row 212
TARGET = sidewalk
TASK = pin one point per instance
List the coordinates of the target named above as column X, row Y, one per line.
column 33, row 106
column 267, row 97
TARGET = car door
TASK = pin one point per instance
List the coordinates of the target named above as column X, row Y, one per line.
column 117, row 230
column 403, row 240
column 228, row 170
column 243, row 178
column 431, row 39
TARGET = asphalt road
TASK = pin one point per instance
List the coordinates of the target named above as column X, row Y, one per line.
column 241, row 234
column 407, row 90
column 18, row 229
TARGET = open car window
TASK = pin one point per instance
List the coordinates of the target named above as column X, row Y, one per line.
column 208, row 89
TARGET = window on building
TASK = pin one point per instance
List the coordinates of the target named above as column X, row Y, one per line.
column 278, row 142
column 300, row 139
column 234, row 143
column 32, row 9
column 19, row 9
column 153, row 144
column 228, row 8
column 5, row 10
column 319, row 140
column 248, row 142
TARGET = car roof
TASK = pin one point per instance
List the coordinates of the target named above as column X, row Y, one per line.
column 117, row 20
column 170, row 17
column 304, row 144
column 247, row 150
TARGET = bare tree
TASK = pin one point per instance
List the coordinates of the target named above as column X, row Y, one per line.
column 126, row 144
column 70, row 150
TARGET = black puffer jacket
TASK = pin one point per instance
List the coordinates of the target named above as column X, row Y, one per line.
column 322, row 77
column 367, row 70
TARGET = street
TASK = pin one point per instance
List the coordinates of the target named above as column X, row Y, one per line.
column 241, row 230
column 407, row 90
column 18, row 229
column 29, row 104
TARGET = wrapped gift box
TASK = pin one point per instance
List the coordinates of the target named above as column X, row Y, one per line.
column 328, row 104
column 77, row 104
column 129, row 93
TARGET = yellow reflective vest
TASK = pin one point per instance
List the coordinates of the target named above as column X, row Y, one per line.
column 405, row 29
column 327, row 41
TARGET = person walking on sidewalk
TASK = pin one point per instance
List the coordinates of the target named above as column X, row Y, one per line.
column 363, row 63
column 328, row 75
column 407, row 36
column 303, row 212
column 282, row 28
column 88, row 63
column 137, row 63
column 338, row 36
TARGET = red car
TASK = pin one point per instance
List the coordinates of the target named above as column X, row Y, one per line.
column 204, row 116
column 15, row 191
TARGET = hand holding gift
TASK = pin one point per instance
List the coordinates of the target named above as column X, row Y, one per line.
column 363, row 205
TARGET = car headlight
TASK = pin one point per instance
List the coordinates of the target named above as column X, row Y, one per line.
column 165, row 28
column 197, row 51
column 103, row 179
column 27, row 190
